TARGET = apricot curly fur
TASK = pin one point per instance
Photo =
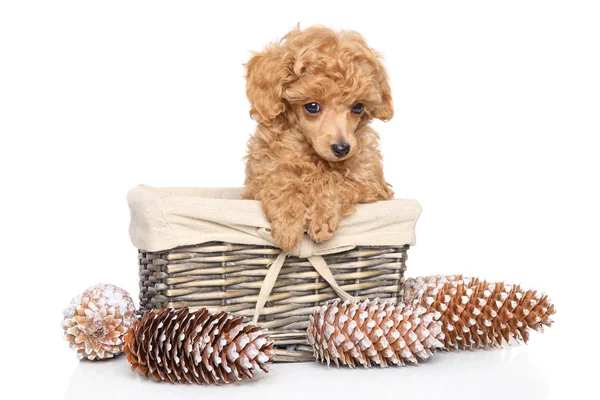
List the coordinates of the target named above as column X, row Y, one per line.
column 290, row 166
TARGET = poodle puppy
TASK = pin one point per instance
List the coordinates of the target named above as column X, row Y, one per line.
column 313, row 156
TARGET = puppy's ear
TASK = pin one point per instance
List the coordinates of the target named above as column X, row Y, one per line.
column 385, row 110
column 267, row 75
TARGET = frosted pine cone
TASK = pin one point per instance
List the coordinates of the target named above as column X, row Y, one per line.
column 200, row 347
column 479, row 314
column 96, row 321
column 372, row 332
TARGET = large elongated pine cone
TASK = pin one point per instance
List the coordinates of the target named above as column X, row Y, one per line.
column 197, row 347
column 479, row 314
column 96, row 321
column 372, row 333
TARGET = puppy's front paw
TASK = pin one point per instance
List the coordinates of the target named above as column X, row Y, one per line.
column 323, row 225
column 287, row 235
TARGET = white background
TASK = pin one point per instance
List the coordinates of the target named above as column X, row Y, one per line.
column 496, row 134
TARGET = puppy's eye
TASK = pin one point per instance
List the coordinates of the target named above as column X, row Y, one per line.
column 358, row 108
column 312, row 108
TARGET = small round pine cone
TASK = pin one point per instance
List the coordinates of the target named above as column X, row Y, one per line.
column 96, row 321
column 372, row 333
column 197, row 347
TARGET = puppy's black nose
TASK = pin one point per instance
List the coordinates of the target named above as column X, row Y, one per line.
column 340, row 149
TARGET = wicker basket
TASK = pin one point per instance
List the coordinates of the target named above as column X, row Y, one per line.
column 189, row 262
column 228, row 277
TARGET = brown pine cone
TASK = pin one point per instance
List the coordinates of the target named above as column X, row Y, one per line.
column 372, row 332
column 199, row 347
column 96, row 321
column 479, row 314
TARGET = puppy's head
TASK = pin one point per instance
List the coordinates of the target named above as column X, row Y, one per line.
column 326, row 83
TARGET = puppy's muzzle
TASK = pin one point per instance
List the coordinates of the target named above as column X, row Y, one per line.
column 340, row 149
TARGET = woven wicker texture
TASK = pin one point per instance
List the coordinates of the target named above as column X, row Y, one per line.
column 228, row 277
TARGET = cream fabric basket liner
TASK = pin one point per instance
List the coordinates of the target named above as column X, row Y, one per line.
column 165, row 218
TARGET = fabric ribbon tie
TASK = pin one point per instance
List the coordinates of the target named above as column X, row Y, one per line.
column 315, row 258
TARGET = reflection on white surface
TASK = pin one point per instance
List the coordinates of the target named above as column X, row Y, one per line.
column 495, row 374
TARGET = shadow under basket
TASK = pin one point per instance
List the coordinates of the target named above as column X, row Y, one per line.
column 228, row 277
